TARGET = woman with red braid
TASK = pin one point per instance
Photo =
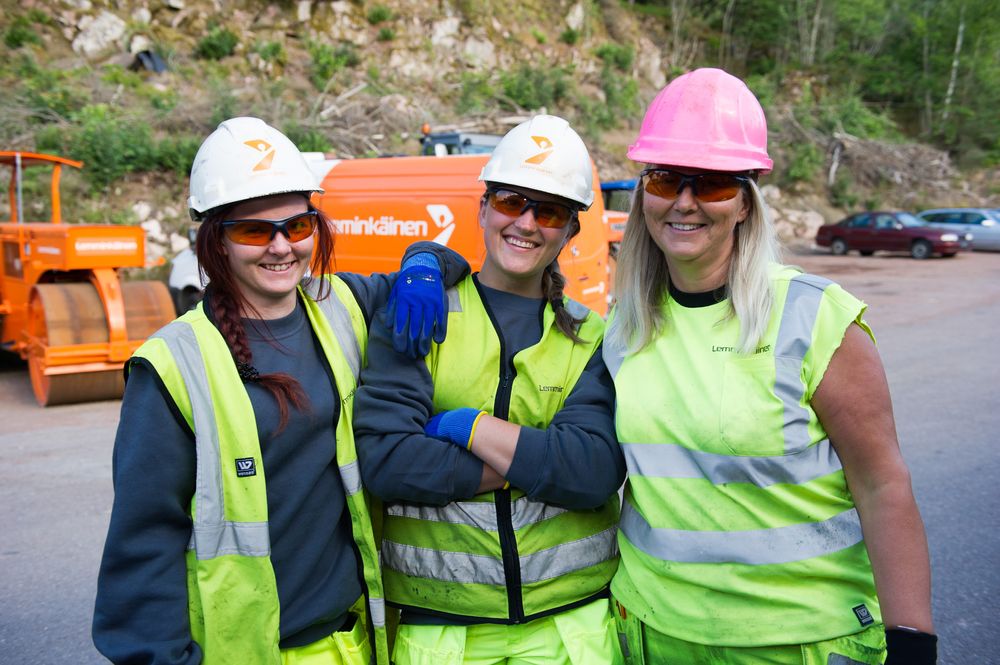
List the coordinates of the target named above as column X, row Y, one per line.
column 240, row 532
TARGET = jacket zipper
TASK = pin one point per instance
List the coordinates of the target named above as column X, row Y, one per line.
column 501, row 498
column 505, row 523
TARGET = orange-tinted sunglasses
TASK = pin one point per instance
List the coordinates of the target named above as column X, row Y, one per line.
column 549, row 214
column 706, row 187
column 259, row 232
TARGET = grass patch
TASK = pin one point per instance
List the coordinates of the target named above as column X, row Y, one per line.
column 217, row 44
column 534, row 87
column 804, row 162
column 378, row 14
column 569, row 36
column 270, row 52
column 327, row 60
column 20, row 32
column 307, row 139
column 475, row 93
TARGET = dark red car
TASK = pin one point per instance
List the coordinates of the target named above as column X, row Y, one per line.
column 869, row 232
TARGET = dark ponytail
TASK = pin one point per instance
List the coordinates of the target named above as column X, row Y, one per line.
column 553, row 283
column 227, row 304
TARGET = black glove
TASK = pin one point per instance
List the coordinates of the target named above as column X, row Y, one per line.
column 910, row 647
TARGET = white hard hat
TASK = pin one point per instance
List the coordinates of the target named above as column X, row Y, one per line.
column 546, row 155
column 245, row 158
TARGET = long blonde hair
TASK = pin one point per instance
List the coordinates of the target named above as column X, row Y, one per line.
column 642, row 280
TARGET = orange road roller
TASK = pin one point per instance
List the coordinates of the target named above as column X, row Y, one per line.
column 63, row 305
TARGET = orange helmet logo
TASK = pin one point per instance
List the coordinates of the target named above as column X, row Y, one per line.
column 546, row 149
column 260, row 145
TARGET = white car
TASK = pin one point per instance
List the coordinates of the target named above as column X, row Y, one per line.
column 982, row 223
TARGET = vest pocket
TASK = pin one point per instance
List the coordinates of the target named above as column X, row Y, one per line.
column 750, row 414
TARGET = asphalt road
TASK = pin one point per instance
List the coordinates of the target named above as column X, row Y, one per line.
column 936, row 322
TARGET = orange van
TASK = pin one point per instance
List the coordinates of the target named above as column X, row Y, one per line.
column 379, row 206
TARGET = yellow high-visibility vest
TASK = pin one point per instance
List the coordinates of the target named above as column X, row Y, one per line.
column 232, row 594
column 501, row 556
column 738, row 527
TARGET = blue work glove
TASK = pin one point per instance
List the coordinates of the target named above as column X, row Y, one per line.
column 417, row 311
column 456, row 426
column 908, row 646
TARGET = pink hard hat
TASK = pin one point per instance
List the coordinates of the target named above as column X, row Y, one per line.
column 705, row 119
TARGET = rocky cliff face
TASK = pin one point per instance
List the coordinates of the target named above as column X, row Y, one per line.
column 404, row 62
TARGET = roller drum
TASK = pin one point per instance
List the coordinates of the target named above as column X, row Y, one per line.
column 69, row 313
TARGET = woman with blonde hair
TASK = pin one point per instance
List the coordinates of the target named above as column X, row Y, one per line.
column 768, row 515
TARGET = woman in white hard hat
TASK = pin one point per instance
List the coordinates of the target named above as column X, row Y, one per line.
column 240, row 532
column 496, row 457
column 767, row 499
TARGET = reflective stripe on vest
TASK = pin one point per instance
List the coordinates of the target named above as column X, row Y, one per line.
column 451, row 559
column 339, row 318
column 212, row 535
column 478, row 569
column 798, row 317
column 467, row 568
column 190, row 342
column 669, row 460
column 524, row 512
column 760, row 547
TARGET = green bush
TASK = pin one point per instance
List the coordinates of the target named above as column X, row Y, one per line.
column 225, row 105
column 621, row 95
column 176, row 153
column 842, row 192
column 804, row 161
column 475, row 93
column 538, row 35
column 271, row 52
column 873, row 202
column 848, row 112
column 376, row 85
column 843, row 111
column 534, row 87
column 20, row 33
column 386, row 35
column 327, row 61
column 594, row 117
column 307, row 139
column 102, row 215
column 109, row 144
column 39, row 17
column 764, row 88
column 163, row 101
column 217, row 44
column 115, row 75
column 621, row 92
column 804, row 108
column 569, row 36
column 49, row 93
column 619, row 56
column 379, row 13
